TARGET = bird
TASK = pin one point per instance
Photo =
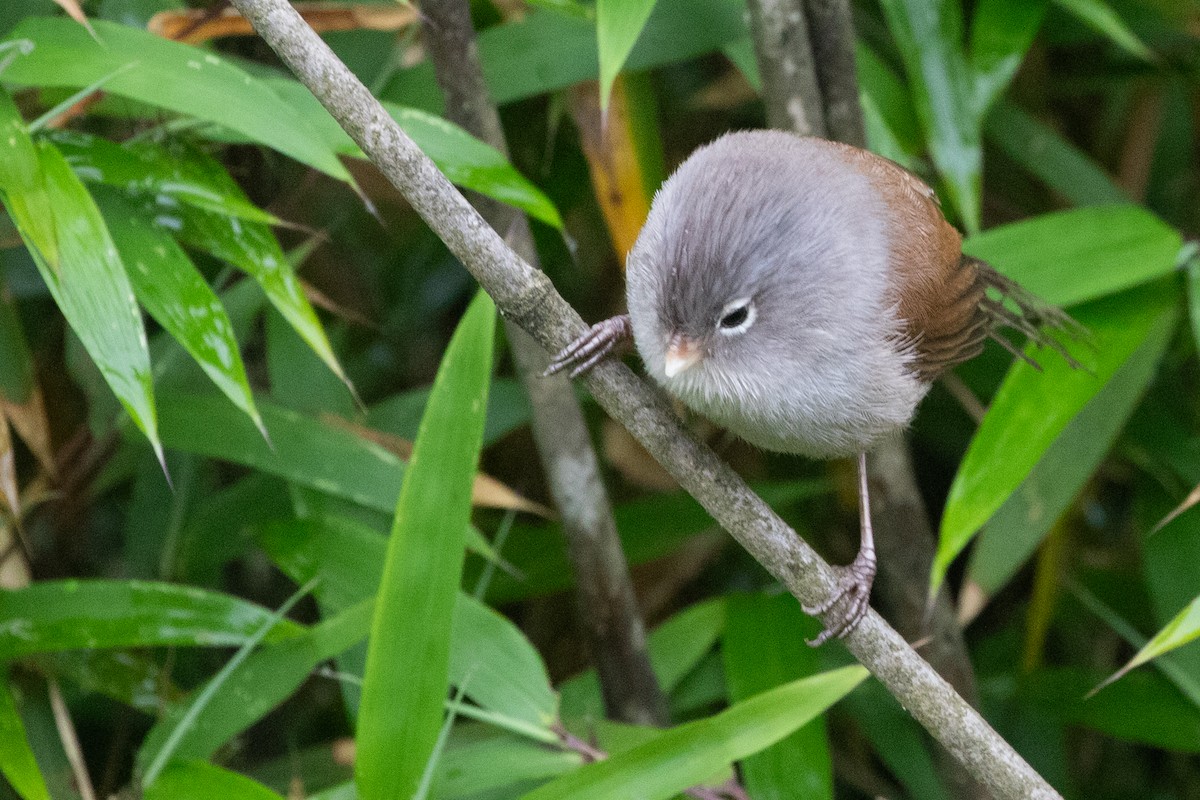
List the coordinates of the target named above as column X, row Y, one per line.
column 804, row 294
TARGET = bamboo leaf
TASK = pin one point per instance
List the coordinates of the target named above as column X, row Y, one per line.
column 407, row 672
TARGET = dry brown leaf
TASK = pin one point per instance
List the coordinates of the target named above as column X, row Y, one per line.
column 612, row 161
column 198, row 25
column 630, row 459
column 9, row 490
column 487, row 492
column 1188, row 502
column 33, row 426
column 72, row 8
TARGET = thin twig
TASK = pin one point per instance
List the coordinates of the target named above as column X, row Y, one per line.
column 70, row 741
column 527, row 297
column 606, row 607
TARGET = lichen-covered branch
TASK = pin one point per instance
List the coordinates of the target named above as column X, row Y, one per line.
column 526, row 296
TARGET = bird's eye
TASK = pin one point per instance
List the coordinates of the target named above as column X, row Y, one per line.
column 736, row 316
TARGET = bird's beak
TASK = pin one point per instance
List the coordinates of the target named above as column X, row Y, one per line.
column 681, row 354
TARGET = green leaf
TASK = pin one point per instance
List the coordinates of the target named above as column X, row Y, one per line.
column 930, row 39
column 407, row 673
column 174, row 292
column 1032, row 409
column 1001, row 33
column 1181, row 630
column 252, row 248
column 302, row 449
column 17, row 761
column 1144, row 708
column 1069, row 257
column 169, row 75
column 675, row 647
column 1025, row 518
column 465, row 160
column 200, row 781
column 16, row 359
column 545, row 51
column 1047, row 155
column 75, row 255
column 256, row 686
column 489, row 656
column 170, row 174
column 73, row 615
column 1102, row 18
column 619, row 23
column 764, row 647
column 692, row 753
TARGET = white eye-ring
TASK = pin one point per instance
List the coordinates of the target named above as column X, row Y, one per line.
column 737, row 316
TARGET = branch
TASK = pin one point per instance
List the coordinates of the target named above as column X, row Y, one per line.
column 831, row 36
column 526, row 296
column 606, row 607
column 785, row 62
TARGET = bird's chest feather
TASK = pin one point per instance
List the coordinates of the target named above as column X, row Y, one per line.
column 826, row 408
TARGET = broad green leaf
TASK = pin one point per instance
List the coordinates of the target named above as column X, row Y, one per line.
column 197, row 705
column 465, row 160
column 251, row 247
column 1025, row 518
column 1192, row 271
column 489, row 656
column 1032, row 409
column 168, row 173
column 257, row 686
column 1102, row 18
column 75, row 255
column 930, row 38
column 1055, row 161
column 197, row 780
column 892, row 126
column 539, row 553
column 1184, row 628
column 546, row 51
column 1143, row 708
column 1001, row 33
column 400, row 414
column 174, row 292
column 301, row 449
column 468, row 766
column 763, row 647
column 169, row 75
column 1068, row 257
column 619, row 23
column 675, row 647
column 901, row 743
column 1185, row 680
column 71, row 615
column 692, row 753
column 407, row 672
column 17, row 761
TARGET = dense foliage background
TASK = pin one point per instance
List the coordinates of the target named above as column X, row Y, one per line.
column 172, row 206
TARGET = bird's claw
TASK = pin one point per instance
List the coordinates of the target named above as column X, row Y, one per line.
column 601, row 340
column 842, row 612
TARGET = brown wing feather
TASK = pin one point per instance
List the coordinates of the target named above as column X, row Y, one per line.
column 939, row 293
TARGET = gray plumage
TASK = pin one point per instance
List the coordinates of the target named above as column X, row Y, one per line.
column 795, row 227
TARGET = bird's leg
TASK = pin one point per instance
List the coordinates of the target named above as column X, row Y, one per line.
column 602, row 339
column 854, row 581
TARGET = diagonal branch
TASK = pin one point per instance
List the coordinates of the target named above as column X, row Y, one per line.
column 526, row 296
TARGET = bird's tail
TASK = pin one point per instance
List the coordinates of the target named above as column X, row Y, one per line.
column 1023, row 311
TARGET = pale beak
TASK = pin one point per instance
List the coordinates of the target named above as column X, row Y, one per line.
column 681, row 354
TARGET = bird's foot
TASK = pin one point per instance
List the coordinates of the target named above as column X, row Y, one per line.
column 842, row 612
column 600, row 341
